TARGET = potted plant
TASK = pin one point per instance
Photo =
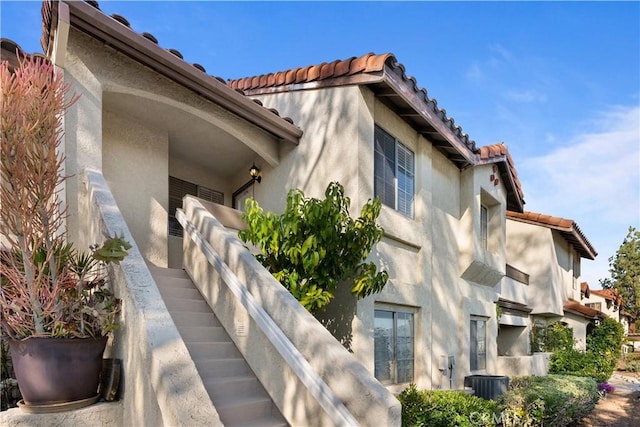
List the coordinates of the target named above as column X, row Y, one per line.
column 56, row 307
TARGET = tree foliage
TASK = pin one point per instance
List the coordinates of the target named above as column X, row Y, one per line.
column 624, row 268
column 315, row 245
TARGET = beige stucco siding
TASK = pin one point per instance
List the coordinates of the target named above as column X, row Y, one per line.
column 531, row 249
column 328, row 150
column 135, row 165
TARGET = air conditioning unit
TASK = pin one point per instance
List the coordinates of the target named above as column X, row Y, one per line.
column 487, row 386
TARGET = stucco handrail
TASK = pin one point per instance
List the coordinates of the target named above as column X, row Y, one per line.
column 161, row 380
column 335, row 409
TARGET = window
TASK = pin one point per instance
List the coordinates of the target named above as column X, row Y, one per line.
column 478, row 344
column 393, row 346
column 594, row 305
column 484, row 226
column 394, row 174
column 179, row 188
column 516, row 274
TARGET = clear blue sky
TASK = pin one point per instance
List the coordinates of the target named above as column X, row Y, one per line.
column 558, row 82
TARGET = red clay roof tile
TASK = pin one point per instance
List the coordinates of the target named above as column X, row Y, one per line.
column 588, row 312
column 500, row 152
column 340, row 72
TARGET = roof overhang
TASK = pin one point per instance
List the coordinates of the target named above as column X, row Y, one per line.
column 397, row 91
column 574, row 307
column 90, row 20
column 515, row 200
column 567, row 228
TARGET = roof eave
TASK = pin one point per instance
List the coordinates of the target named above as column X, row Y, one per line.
column 571, row 234
column 393, row 85
column 464, row 156
column 514, row 201
column 93, row 22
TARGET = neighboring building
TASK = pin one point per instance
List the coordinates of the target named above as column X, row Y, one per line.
column 542, row 285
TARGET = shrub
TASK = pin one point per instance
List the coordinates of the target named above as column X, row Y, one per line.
column 316, row 246
column 555, row 336
column 604, row 347
column 605, row 342
column 438, row 408
column 633, row 366
column 554, row 400
column 575, row 362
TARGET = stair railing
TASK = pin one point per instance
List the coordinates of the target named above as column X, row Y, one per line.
column 334, row 408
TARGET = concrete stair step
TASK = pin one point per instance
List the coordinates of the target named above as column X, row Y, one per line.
column 174, row 282
column 222, row 368
column 193, row 334
column 240, row 387
column 213, row 350
column 240, row 412
column 187, row 305
column 181, row 293
column 167, row 272
column 275, row 421
column 187, row 319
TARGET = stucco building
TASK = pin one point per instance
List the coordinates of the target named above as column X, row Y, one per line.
column 469, row 270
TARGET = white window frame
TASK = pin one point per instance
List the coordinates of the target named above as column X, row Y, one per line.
column 477, row 344
column 403, row 196
column 397, row 314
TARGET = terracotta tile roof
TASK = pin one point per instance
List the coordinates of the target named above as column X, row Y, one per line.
column 584, row 289
column 609, row 294
column 567, row 228
column 499, row 153
column 369, row 63
column 388, row 80
column 11, row 52
column 582, row 310
column 116, row 31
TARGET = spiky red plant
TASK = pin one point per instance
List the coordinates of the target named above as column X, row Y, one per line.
column 47, row 288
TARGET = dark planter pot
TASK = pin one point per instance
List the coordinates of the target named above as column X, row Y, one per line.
column 55, row 371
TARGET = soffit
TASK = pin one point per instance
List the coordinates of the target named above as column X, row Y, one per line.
column 115, row 31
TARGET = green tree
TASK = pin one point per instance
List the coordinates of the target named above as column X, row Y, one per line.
column 315, row 245
column 624, row 268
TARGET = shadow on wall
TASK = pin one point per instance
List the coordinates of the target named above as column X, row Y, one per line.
column 337, row 317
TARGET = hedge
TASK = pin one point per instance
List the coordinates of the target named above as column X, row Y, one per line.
column 553, row 400
column 439, row 408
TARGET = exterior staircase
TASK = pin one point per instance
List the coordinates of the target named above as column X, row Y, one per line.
column 235, row 391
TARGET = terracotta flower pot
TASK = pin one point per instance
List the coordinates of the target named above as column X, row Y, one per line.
column 52, row 371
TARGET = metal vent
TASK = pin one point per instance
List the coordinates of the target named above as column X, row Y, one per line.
column 488, row 387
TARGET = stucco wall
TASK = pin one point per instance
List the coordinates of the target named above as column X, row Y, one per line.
column 135, row 165
column 531, row 249
column 131, row 123
column 579, row 325
column 421, row 253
